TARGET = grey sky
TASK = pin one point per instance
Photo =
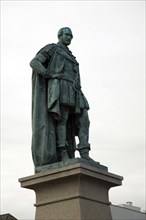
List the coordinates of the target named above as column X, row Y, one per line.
column 109, row 43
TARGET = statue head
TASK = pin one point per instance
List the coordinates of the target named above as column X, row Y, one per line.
column 65, row 35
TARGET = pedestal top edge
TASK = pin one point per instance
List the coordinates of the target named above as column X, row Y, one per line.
column 79, row 165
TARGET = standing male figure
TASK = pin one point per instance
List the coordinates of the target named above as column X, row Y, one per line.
column 59, row 108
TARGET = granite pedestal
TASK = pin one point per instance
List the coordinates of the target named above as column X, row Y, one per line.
column 74, row 192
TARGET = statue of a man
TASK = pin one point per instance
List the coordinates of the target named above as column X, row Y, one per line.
column 59, row 107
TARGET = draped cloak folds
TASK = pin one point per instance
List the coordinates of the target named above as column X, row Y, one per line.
column 46, row 106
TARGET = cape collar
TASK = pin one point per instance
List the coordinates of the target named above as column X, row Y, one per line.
column 66, row 53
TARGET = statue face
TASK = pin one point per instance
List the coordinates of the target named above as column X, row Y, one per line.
column 66, row 37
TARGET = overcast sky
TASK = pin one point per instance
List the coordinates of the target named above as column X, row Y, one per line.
column 109, row 38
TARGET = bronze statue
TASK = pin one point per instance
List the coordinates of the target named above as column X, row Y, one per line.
column 59, row 107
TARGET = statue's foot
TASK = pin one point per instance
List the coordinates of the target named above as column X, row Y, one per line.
column 64, row 155
column 85, row 156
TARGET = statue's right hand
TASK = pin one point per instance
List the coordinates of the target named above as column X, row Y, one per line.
column 58, row 76
column 53, row 76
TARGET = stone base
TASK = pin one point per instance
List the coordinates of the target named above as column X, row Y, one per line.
column 73, row 192
column 68, row 163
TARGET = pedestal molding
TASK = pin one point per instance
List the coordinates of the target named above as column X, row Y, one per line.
column 69, row 198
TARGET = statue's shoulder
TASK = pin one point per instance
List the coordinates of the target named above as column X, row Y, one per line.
column 48, row 49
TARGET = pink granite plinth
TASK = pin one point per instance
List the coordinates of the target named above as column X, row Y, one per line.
column 73, row 192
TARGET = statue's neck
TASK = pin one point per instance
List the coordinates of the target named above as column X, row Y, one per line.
column 62, row 45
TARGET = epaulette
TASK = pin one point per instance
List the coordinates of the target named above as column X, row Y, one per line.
column 48, row 49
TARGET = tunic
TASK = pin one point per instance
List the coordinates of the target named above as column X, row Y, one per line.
column 69, row 89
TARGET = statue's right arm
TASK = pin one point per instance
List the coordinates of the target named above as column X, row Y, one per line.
column 37, row 64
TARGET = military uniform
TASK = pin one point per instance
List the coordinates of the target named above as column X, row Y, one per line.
column 58, row 86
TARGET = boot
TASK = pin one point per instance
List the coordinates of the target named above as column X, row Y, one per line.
column 84, row 153
column 84, row 150
column 64, row 154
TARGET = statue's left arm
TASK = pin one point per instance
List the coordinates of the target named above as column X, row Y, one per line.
column 40, row 62
column 37, row 64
